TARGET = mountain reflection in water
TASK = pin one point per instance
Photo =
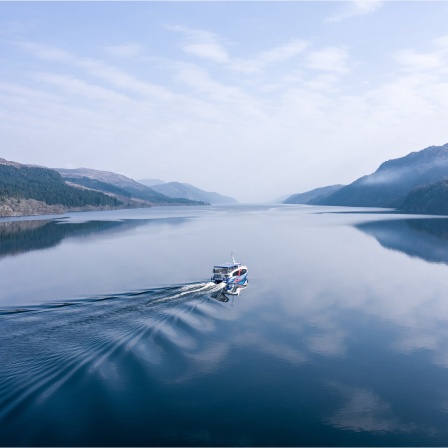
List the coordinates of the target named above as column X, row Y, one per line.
column 420, row 237
column 17, row 237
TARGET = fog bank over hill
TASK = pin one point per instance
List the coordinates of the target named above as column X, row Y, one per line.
column 389, row 185
column 416, row 183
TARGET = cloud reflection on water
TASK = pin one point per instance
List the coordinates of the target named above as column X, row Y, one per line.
column 364, row 410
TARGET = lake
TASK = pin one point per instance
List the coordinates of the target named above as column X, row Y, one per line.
column 113, row 335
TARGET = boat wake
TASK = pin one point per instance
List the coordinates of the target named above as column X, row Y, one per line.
column 151, row 297
column 50, row 350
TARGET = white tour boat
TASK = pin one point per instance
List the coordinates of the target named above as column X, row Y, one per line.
column 233, row 274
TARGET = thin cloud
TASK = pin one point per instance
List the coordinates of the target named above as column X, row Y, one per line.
column 331, row 59
column 206, row 45
column 434, row 61
column 125, row 51
column 356, row 8
column 76, row 86
column 94, row 67
column 284, row 52
column 412, row 60
column 442, row 43
column 202, row 44
column 269, row 57
column 46, row 52
column 207, row 50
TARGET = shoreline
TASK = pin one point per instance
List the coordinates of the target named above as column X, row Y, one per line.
column 14, row 208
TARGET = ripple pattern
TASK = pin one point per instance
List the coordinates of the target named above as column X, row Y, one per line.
column 49, row 348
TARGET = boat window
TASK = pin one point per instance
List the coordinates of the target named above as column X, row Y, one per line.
column 243, row 271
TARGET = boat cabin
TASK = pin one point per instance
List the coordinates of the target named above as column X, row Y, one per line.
column 225, row 271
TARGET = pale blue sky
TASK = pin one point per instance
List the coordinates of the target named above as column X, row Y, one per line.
column 250, row 99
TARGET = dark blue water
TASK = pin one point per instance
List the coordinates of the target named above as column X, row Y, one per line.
column 112, row 335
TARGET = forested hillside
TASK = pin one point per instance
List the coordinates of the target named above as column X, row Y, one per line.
column 98, row 185
column 429, row 199
column 48, row 186
column 389, row 185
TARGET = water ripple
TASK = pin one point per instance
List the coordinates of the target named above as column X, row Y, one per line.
column 45, row 347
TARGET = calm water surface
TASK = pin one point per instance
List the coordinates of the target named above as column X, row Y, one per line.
column 112, row 335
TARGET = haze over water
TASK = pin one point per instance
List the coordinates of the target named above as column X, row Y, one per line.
column 112, row 334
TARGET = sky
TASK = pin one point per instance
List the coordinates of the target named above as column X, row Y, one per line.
column 251, row 99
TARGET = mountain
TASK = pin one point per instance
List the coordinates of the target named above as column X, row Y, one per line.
column 177, row 189
column 312, row 195
column 389, row 185
column 31, row 190
column 150, row 182
column 125, row 189
column 36, row 190
column 429, row 199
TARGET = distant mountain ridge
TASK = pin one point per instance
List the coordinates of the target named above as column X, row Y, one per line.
column 389, row 185
column 309, row 196
column 125, row 189
column 415, row 183
column 183, row 190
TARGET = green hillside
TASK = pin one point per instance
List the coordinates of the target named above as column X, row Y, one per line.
column 45, row 185
column 429, row 199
